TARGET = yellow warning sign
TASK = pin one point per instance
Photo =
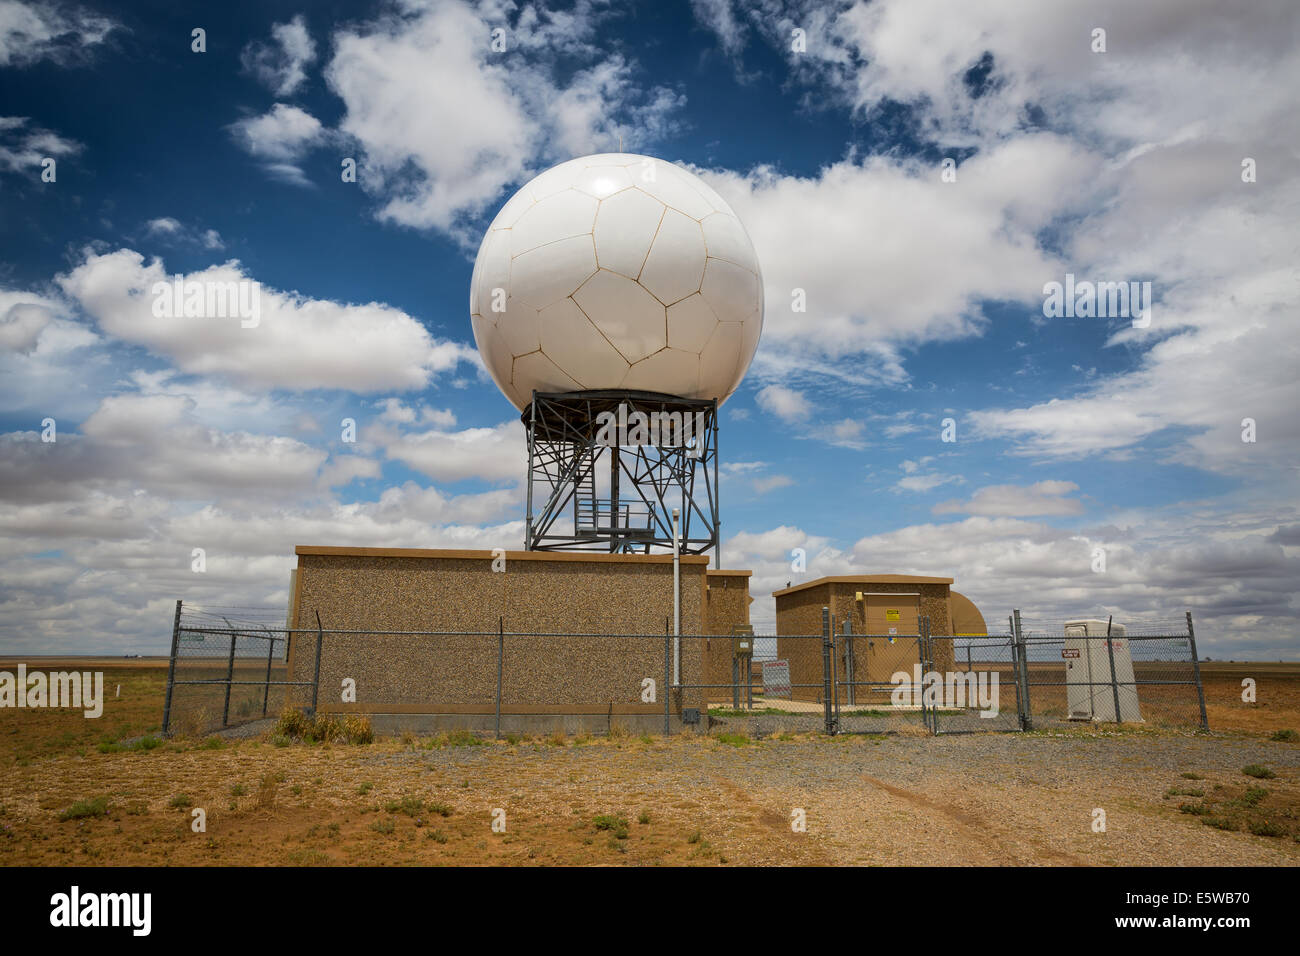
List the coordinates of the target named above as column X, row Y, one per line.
column 891, row 614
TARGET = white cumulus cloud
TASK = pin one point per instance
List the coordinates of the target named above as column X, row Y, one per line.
column 298, row 343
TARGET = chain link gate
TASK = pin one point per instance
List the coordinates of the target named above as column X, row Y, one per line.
column 981, row 684
column 861, row 693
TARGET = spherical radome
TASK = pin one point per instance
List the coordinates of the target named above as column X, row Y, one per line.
column 616, row 271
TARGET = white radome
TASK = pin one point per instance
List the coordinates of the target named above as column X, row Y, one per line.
column 616, row 271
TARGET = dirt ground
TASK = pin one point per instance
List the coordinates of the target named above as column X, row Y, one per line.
column 1169, row 797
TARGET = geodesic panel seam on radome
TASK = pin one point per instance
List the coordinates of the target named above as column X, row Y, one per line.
column 617, row 271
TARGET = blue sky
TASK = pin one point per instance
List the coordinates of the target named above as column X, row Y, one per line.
column 925, row 296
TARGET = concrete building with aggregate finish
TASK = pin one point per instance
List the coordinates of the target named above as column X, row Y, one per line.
column 581, row 666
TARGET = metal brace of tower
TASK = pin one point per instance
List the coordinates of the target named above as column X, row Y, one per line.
column 672, row 463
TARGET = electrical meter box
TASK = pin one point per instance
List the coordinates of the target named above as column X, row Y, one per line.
column 742, row 641
column 1090, row 690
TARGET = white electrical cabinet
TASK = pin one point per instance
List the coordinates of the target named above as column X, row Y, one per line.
column 1090, row 692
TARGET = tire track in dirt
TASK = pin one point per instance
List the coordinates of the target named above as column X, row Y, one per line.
column 799, row 849
column 980, row 837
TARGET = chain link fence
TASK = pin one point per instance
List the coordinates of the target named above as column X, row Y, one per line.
column 1141, row 672
column 233, row 666
column 781, row 692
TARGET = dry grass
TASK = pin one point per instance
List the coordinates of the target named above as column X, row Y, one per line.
column 407, row 816
column 1277, row 697
column 27, row 735
column 1263, row 811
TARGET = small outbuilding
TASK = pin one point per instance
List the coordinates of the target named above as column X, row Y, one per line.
column 883, row 612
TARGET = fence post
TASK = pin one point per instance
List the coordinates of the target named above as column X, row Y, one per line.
column 171, row 669
column 266, row 688
column 1026, row 712
column 927, row 665
column 826, row 670
column 920, row 659
column 315, row 682
column 230, row 676
column 501, row 654
column 1015, row 671
column 850, row 665
column 1196, row 669
column 1114, row 686
column 668, row 657
column 835, row 676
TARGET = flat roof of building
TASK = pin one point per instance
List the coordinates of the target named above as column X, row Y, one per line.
column 479, row 555
column 864, row 579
